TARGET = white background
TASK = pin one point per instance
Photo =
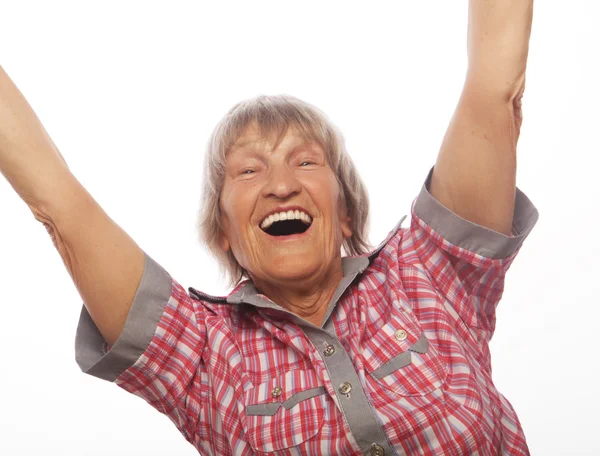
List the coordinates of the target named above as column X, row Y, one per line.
column 130, row 92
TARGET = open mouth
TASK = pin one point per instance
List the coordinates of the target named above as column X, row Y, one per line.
column 286, row 223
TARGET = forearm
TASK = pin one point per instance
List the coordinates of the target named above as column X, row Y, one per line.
column 29, row 160
column 498, row 44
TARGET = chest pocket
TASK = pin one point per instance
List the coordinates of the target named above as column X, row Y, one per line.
column 403, row 360
column 284, row 412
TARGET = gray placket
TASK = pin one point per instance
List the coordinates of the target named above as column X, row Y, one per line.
column 353, row 401
column 351, row 396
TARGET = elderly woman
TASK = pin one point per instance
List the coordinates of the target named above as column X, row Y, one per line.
column 381, row 352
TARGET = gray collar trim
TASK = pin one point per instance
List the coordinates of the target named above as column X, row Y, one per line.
column 351, row 267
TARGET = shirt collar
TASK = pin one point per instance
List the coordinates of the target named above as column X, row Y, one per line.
column 245, row 292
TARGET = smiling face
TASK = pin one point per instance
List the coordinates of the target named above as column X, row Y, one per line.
column 261, row 184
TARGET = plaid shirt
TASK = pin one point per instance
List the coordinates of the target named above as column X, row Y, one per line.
column 401, row 365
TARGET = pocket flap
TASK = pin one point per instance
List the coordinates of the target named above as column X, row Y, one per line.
column 403, row 359
column 270, row 409
column 285, row 411
column 415, row 371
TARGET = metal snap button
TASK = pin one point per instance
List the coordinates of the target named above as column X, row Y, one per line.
column 276, row 391
column 377, row 450
column 345, row 388
column 401, row 334
column 329, row 350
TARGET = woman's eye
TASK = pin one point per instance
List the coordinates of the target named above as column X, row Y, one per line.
column 248, row 171
column 305, row 163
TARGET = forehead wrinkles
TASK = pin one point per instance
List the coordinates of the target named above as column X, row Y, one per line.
column 252, row 142
column 254, row 134
column 272, row 131
column 257, row 143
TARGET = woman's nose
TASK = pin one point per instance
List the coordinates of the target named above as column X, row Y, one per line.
column 281, row 183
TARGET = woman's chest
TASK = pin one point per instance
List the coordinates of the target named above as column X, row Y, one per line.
column 384, row 365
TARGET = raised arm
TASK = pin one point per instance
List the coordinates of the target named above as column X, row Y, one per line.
column 475, row 172
column 105, row 264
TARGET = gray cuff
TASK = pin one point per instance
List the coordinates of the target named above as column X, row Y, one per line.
column 146, row 310
column 470, row 236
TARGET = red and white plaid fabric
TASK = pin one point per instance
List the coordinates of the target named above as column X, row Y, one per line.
column 209, row 363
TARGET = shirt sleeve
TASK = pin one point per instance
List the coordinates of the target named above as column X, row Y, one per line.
column 468, row 262
column 158, row 354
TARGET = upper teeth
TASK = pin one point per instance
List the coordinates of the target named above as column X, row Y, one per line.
column 289, row 215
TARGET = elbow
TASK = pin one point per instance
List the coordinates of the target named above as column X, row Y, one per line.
column 45, row 220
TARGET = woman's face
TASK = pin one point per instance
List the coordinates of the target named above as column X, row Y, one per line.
column 261, row 181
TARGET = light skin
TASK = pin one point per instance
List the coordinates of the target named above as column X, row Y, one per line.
column 299, row 273
column 476, row 169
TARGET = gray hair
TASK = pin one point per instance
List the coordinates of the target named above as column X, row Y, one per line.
column 273, row 115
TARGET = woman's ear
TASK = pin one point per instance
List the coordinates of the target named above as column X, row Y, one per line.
column 347, row 228
column 223, row 227
column 344, row 218
column 224, row 242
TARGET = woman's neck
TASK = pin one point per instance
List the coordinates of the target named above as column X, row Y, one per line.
column 306, row 298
